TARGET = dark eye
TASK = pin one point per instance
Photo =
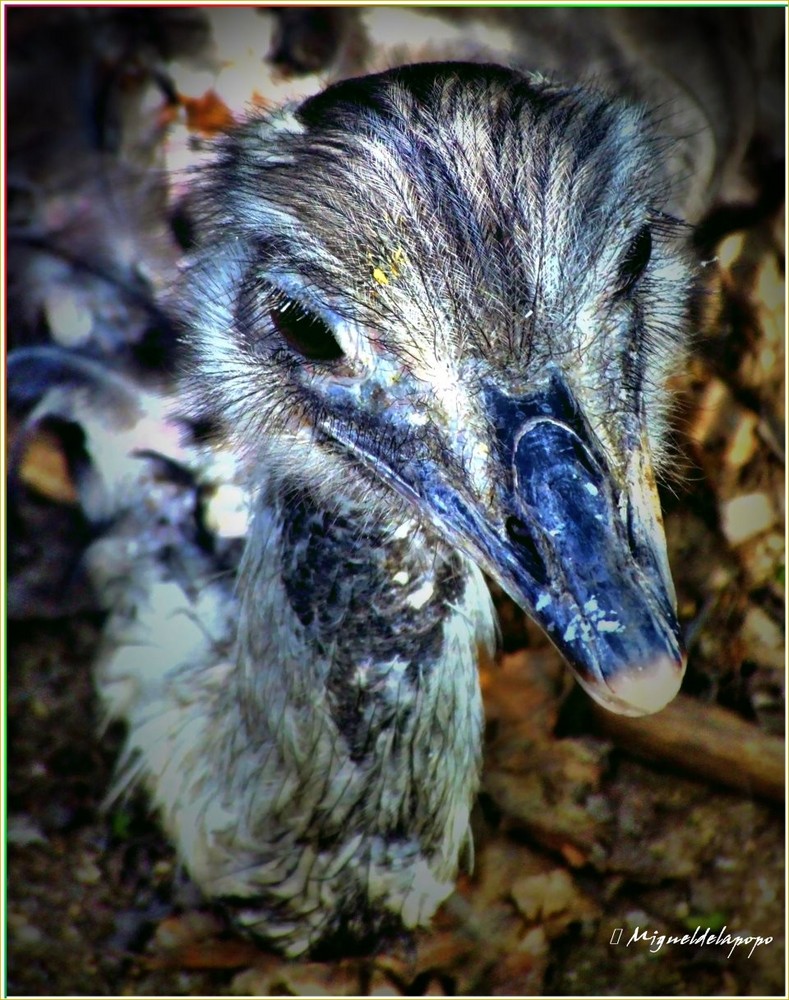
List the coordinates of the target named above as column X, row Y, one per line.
column 635, row 260
column 304, row 332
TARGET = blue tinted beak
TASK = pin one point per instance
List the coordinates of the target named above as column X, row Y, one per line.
column 580, row 550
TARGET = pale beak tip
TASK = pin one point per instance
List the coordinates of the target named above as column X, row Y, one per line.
column 641, row 690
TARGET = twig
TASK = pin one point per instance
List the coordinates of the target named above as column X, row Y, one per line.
column 707, row 741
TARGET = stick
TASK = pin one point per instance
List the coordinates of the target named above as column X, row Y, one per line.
column 706, row 741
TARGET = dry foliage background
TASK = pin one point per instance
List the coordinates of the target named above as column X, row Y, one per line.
column 585, row 823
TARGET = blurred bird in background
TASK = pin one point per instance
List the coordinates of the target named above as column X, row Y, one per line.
column 411, row 317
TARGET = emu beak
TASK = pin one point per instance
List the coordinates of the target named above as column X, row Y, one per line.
column 584, row 554
column 580, row 550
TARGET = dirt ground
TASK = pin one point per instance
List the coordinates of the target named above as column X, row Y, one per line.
column 587, row 833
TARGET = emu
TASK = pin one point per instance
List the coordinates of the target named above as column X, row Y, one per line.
column 431, row 319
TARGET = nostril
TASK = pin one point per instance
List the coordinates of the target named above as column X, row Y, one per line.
column 631, row 533
column 639, row 550
column 528, row 552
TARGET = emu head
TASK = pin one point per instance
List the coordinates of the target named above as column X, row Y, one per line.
column 449, row 291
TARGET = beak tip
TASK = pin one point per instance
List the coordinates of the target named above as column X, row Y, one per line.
column 642, row 690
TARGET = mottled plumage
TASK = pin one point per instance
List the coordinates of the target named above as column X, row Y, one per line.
column 386, row 269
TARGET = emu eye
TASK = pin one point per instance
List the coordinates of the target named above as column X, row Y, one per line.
column 304, row 332
column 635, row 260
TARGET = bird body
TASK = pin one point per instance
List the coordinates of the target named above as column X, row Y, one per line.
column 419, row 316
column 432, row 313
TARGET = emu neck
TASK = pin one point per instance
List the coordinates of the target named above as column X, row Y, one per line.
column 359, row 623
column 360, row 734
